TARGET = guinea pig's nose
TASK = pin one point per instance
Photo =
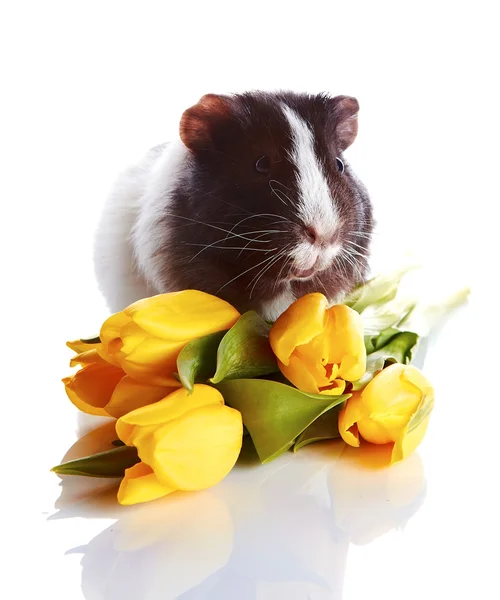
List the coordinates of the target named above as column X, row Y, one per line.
column 311, row 234
column 314, row 236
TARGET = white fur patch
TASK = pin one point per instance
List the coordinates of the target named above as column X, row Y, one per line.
column 315, row 206
column 148, row 235
column 129, row 233
column 274, row 308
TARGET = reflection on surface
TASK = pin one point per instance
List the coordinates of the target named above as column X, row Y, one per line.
column 272, row 531
column 75, row 491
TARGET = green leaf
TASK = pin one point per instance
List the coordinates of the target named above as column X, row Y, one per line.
column 245, row 351
column 326, row 427
column 378, row 290
column 375, row 342
column 275, row 413
column 197, row 361
column 399, row 349
column 94, row 340
column 111, row 463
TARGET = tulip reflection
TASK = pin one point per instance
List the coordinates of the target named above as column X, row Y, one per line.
column 275, row 531
column 159, row 550
column 368, row 497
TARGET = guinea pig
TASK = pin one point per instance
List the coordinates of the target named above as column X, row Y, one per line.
column 255, row 203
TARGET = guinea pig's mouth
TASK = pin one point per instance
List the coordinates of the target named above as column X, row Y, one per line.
column 302, row 273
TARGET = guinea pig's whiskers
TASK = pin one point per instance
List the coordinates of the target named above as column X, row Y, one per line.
column 210, row 225
column 229, row 237
column 365, row 235
column 349, row 259
column 283, row 266
column 278, row 192
column 282, row 221
column 279, row 183
column 205, row 246
column 254, row 216
column 279, row 197
column 344, row 254
column 192, row 225
column 342, row 268
column 357, row 253
column 264, row 270
column 248, row 243
column 244, row 272
column 351, row 243
column 318, row 282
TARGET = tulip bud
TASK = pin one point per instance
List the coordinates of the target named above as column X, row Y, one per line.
column 146, row 338
column 185, row 442
column 394, row 408
column 319, row 348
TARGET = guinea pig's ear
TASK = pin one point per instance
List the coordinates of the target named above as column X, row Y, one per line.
column 198, row 123
column 346, row 118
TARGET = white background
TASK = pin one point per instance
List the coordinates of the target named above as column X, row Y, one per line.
column 89, row 86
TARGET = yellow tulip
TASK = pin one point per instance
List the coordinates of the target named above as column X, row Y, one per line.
column 185, row 442
column 394, row 408
column 100, row 388
column 319, row 348
column 146, row 338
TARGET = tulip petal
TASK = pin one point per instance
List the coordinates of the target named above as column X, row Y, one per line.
column 140, row 484
column 153, row 361
column 417, row 426
column 111, row 328
column 310, row 356
column 197, row 450
column 376, row 432
column 298, row 325
column 130, row 395
column 91, row 388
column 344, row 342
column 298, row 373
column 391, row 392
column 182, row 316
column 87, row 358
column 154, row 352
column 409, row 442
column 418, row 379
column 158, row 377
column 396, row 403
column 78, row 346
column 335, row 388
column 83, row 406
column 146, row 359
column 131, row 336
column 171, row 407
column 348, row 418
column 110, row 336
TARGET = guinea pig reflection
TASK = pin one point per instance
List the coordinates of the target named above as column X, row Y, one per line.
column 255, row 203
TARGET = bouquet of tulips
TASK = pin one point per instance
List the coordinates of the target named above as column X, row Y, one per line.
column 186, row 377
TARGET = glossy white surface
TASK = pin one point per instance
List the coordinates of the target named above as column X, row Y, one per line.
column 87, row 89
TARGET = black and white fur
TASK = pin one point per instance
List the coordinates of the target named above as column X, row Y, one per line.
column 254, row 203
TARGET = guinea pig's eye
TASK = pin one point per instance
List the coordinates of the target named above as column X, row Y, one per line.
column 340, row 165
column 263, row 165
